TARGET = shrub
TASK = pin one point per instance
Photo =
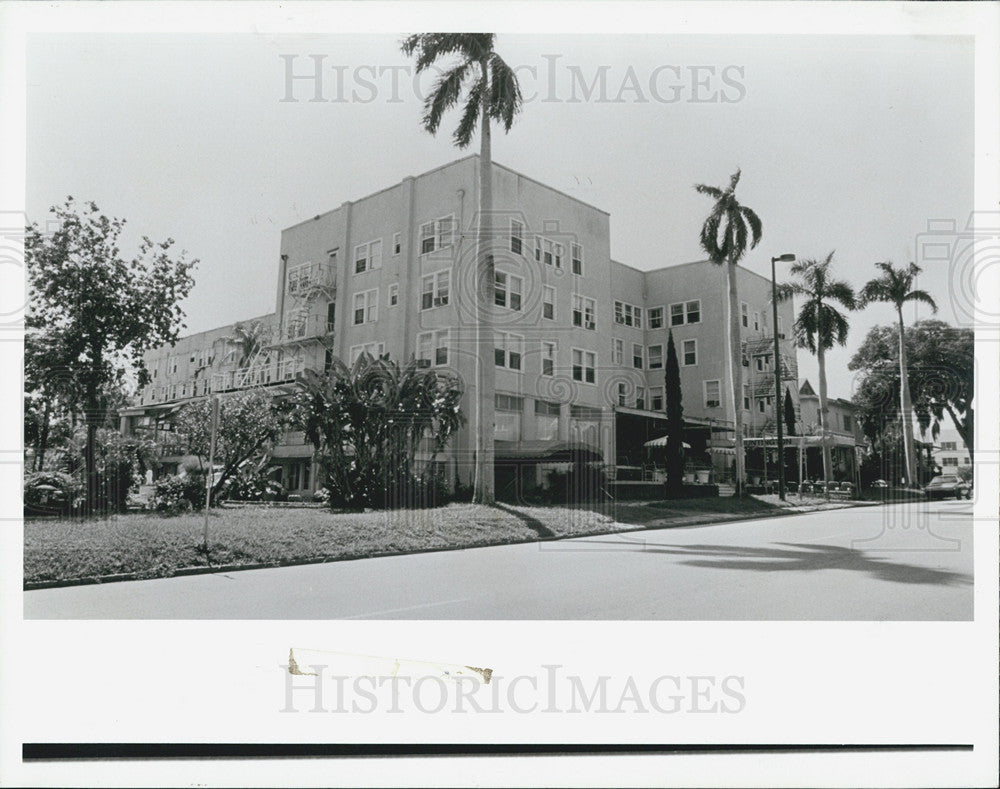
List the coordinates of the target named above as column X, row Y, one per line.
column 582, row 483
column 40, row 499
column 176, row 494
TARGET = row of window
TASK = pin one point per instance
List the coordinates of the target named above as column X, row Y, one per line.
column 654, row 358
column 547, row 251
column 679, row 314
column 954, row 461
column 758, row 320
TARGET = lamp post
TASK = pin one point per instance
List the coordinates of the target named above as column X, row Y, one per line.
column 786, row 258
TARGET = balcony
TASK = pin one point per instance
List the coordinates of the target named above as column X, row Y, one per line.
column 258, row 375
column 306, row 327
column 308, row 278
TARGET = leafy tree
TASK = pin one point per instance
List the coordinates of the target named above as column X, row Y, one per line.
column 940, row 365
column 106, row 310
column 368, row 422
column 250, row 423
column 895, row 286
column 675, row 422
column 728, row 232
column 819, row 325
column 491, row 94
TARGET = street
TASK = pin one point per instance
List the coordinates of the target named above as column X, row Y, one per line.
column 899, row 562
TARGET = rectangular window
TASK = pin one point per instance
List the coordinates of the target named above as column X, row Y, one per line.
column 761, row 405
column 507, row 290
column 366, row 307
column 622, row 393
column 373, row 349
column 745, row 314
column 781, row 328
column 640, row 397
column 548, row 302
column 638, row 317
column 584, row 366
column 656, row 317
column 656, row 398
column 690, row 352
column 577, row 252
column 949, row 461
column 693, row 310
column 436, row 234
column 432, row 347
column 619, row 313
column 368, row 256
column 507, row 417
column 617, row 351
column 746, row 397
column 508, row 350
column 548, row 252
column 946, row 446
column 584, row 312
column 397, row 243
column 713, row 394
column 516, row 236
column 637, row 356
column 847, row 420
column 393, row 295
column 655, row 357
column 676, row 314
column 628, row 314
column 546, row 420
column 756, row 321
column 548, row 358
column 434, row 289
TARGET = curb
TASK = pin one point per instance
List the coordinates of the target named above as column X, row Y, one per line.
column 30, row 586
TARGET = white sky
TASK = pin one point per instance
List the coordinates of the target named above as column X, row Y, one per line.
column 846, row 143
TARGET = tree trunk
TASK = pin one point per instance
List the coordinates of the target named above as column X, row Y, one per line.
column 964, row 428
column 823, row 427
column 483, row 486
column 43, row 436
column 92, row 418
column 907, row 408
column 736, row 374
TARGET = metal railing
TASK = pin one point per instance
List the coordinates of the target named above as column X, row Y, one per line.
column 258, row 375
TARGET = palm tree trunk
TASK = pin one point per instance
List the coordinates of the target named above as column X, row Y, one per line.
column 483, row 485
column 736, row 374
column 907, row 408
column 823, row 413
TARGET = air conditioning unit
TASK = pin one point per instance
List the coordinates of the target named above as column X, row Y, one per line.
column 440, row 302
column 589, row 325
column 423, row 362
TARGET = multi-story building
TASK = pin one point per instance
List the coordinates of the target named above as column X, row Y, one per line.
column 845, row 436
column 951, row 454
column 580, row 339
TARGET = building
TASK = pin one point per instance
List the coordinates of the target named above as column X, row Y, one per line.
column 845, row 436
column 580, row 339
column 951, row 454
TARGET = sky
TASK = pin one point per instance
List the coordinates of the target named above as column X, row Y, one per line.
column 849, row 144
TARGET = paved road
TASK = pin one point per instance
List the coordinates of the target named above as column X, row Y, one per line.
column 902, row 562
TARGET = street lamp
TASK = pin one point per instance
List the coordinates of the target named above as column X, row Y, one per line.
column 786, row 258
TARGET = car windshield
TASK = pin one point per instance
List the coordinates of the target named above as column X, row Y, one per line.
column 944, row 480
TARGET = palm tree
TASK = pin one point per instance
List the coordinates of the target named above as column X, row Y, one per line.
column 491, row 94
column 895, row 286
column 725, row 236
column 819, row 325
column 248, row 337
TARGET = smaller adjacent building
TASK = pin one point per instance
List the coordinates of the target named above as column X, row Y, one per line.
column 950, row 454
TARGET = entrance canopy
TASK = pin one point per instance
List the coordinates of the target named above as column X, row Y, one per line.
column 550, row 451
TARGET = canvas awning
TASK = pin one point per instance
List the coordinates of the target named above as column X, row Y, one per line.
column 662, row 442
column 547, row 451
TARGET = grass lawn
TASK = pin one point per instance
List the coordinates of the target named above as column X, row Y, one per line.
column 155, row 546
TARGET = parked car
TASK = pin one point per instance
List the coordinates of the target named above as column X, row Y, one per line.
column 946, row 486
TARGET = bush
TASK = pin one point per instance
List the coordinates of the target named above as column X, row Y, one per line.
column 51, row 493
column 582, row 483
column 176, row 494
column 251, row 483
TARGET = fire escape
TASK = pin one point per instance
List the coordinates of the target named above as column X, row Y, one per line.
column 758, row 364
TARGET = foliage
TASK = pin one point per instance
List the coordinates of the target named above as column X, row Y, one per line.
column 368, row 422
column 247, row 339
column 176, row 494
column 250, row 422
column 253, row 481
column 39, row 499
column 97, row 311
column 675, row 422
column 940, row 373
column 581, row 483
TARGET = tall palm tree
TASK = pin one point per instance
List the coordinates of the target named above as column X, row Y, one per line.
column 819, row 325
column 728, row 232
column 895, row 286
column 247, row 339
column 491, row 93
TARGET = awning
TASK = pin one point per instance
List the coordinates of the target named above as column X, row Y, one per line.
column 662, row 442
column 550, row 451
column 833, row 440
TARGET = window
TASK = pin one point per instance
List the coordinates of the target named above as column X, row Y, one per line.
column 584, row 366
column 847, row 422
column 713, row 394
column 640, row 398
column 432, row 347
column 656, row 398
column 655, row 357
column 434, row 289
column 436, row 234
column 656, row 318
column 637, row 356
column 548, row 358
column 638, row 317
column 745, row 314
column 393, row 295
column 676, row 314
column 508, row 350
column 966, row 461
column 693, row 310
column 756, row 321
column 548, row 302
column 397, row 243
column 781, row 328
column 546, row 420
column 948, row 446
column 949, row 461
column 584, row 309
column 507, row 290
column 374, row 349
column 577, row 259
column 762, row 363
column 746, row 397
column 760, row 405
column 507, row 418
column 548, row 252
column 690, row 351
column 366, row 307
column 368, row 257
column 628, row 314
column 617, row 351
column 622, row 393
column 299, row 277
column 516, row 237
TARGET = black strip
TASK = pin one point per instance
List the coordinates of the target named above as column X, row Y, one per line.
column 180, row 750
